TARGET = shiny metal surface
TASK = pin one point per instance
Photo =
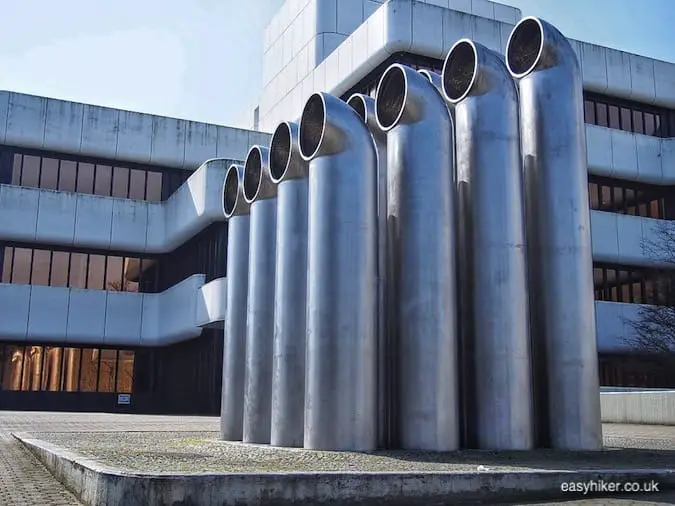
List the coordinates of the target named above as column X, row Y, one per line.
column 434, row 78
column 492, row 266
column 236, row 210
column 341, row 385
column 260, row 193
column 421, row 258
column 365, row 108
column 290, row 172
column 554, row 154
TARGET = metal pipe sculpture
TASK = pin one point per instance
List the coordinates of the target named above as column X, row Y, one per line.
column 289, row 171
column 420, row 201
column 236, row 211
column 434, row 78
column 493, row 264
column 553, row 144
column 365, row 108
column 260, row 193
column 341, row 383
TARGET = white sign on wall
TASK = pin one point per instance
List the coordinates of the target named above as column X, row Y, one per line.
column 123, row 398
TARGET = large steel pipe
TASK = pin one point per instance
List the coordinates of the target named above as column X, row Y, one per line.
column 493, row 270
column 434, row 78
column 420, row 201
column 236, row 210
column 365, row 108
column 260, row 193
column 554, row 155
column 341, row 385
column 289, row 172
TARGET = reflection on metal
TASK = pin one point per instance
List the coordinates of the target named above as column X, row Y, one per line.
column 260, row 193
column 365, row 108
column 420, row 201
column 434, row 78
column 289, row 171
column 554, row 153
column 236, row 210
column 341, row 385
column 492, row 265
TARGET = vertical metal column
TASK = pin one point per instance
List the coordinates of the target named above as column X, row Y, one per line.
column 553, row 140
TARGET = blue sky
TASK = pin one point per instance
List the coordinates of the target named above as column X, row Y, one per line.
column 188, row 59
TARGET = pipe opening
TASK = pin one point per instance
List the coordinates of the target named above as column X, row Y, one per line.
column 231, row 191
column 252, row 174
column 312, row 124
column 524, row 48
column 358, row 104
column 459, row 71
column 391, row 97
column 280, row 151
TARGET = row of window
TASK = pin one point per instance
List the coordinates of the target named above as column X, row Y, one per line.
column 50, row 267
column 626, row 197
column 599, row 110
column 634, row 371
column 633, row 285
column 206, row 253
column 58, row 369
column 30, row 168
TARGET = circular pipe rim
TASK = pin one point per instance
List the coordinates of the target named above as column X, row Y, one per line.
column 284, row 129
column 528, row 20
column 228, row 189
column 312, row 101
column 358, row 103
column 399, row 69
column 459, row 45
column 247, row 167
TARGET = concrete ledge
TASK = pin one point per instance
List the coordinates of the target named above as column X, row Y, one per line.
column 638, row 407
column 95, row 484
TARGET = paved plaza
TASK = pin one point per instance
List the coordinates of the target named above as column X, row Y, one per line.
column 24, row 481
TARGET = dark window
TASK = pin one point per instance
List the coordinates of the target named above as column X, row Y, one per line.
column 103, row 183
column 106, row 371
column 649, row 124
column 137, row 184
column 601, row 115
column 120, row 186
column 638, row 125
column 21, row 267
column 85, row 178
column 30, row 171
column 96, row 272
column 67, row 175
column 50, row 173
column 60, row 261
column 78, row 270
column 589, row 111
column 89, row 370
column 614, row 121
column 16, row 169
column 625, row 119
column 42, row 260
column 154, row 188
column 7, row 264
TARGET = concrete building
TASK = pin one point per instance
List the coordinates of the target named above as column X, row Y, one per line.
column 112, row 240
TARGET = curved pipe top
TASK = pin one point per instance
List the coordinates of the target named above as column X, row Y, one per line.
column 535, row 44
column 258, row 183
column 286, row 162
column 328, row 126
column 364, row 106
column 434, row 78
column 234, row 203
column 405, row 96
column 471, row 69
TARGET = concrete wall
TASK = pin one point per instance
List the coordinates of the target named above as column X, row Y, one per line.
column 427, row 28
column 649, row 407
column 94, row 221
column 81, row 129
column 97, row 317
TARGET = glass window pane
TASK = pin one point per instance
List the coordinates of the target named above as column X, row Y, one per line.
column 113, row 279
column 96, row 273
column 154, row 186
column 625, row 293
column 638, row 126
column 60, row 268
column 89, row 370
column 85, row 178
column 606, row 196
column 23, row 259
column 71, row 369
column 657, row 125
column 32, row 368
column 125, row 371
column 16, row 169
column 132, row 273
column 137, row 184
column 649, row 124
column 643, row 210
column 42, row 260
column 614, row 117
column 601, row 114
column 78, row 270
column 655, row 209
column 51, row 375
column 106, row 374
column 67, row 175
column 589, row 112
column 637, row 293
column 103, row 182
column 120, row 182
column 7, row 264
column 11, row 367
column 49, row 175
column 30, row 172
column 626, row 119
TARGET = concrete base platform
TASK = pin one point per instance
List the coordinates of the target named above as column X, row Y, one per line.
column 95, row 483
